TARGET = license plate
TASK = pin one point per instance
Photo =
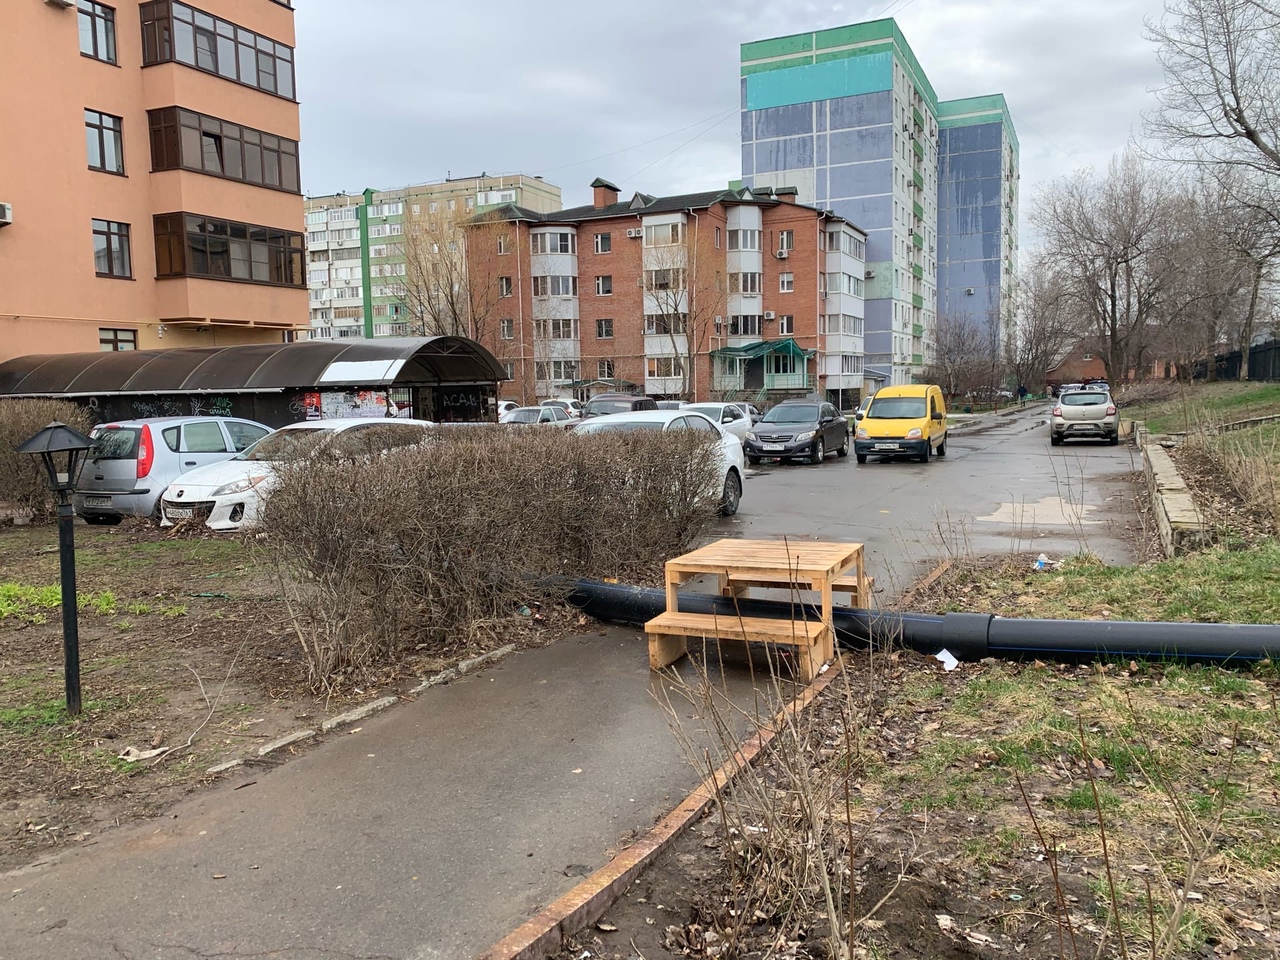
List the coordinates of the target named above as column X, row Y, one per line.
column 97, row 501
column 179, row 513
column 773, row 446
column 886, row 446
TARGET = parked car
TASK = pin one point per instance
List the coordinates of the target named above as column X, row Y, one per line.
column 568, row 404
column 731, row 417
column 863, row 404
column 798, row 428
column 547, row 415
column 132, row 461
column 1084, row 413
column 229, row 495
column 671, row 404
column 1100, row 386
column 604, row 404
column 904, row 420
column 730, row 450
column 750, row 409
column 506, row 406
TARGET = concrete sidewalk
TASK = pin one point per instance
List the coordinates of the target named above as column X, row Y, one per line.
column 430, row 832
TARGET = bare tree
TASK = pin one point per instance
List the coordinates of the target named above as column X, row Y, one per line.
column 1046, row 325
column 446, row 292
column 962, row 354
column 686, row 295
column 1108, row 239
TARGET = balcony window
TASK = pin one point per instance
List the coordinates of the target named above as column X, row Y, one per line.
column 189, row 245
column 104, row 141
column 176, row 32
column 97, row 31
column 195, row 141
column 111, row 255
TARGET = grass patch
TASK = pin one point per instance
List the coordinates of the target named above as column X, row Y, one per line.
column 1202, row 401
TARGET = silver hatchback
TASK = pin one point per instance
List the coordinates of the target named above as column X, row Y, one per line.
column 133, row 461
column 1084, row 413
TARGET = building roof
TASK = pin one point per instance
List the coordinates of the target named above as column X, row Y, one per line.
column 253, row 368
column 760, row 348
column 643, row 203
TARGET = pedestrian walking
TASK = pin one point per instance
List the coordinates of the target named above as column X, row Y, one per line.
column 1022, row 394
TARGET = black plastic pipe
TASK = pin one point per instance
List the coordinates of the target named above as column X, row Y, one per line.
column 967, row 636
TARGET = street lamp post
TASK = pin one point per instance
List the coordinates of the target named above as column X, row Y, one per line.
column 62, row 449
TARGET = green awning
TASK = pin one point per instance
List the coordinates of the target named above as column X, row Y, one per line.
column 760, row 348
column 604, row 382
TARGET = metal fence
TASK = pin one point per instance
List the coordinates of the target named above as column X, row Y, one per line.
column 1264, row 363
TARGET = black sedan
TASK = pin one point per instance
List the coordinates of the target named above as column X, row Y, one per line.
column 798, row 428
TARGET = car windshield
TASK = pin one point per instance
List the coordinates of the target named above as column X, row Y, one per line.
column 712, row 411
column 896, row 408
column 609, row 406
column 620, row 426
column 1091, row 399
column 523, row 416
column 792, row 413
column 285, row 446
column 119, row 443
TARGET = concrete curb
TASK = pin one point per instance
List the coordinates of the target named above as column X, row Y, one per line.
column 466, row 666
column 586, row 903
column 286, row 740
column 1178, row 520
column 359, row 713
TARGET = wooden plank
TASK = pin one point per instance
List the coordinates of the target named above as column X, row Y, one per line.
column 810, row 557
column 782, row 581
column 665, row 649
column 754, row 629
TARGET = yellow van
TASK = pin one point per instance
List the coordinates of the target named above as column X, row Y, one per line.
column 903, row 421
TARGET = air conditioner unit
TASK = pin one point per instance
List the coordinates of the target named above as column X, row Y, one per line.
column 783, row 254
column 769, row 314
column 6, row 214
column 869, row 275
column 64, row 4
column 635, row 232
column 968, row 291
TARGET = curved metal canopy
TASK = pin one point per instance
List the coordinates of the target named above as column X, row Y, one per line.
column 253, row 368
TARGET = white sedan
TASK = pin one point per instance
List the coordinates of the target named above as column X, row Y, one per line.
column 732, row 463
column 731, row 417
column 228, row 495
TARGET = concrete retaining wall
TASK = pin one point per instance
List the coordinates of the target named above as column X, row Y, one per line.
column 1178, row 521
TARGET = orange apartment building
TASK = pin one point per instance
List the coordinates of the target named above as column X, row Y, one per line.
column 149, row 184
column 728, row 294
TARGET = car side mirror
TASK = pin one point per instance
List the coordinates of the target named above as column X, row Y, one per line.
column 939, row 417
column 859, row 415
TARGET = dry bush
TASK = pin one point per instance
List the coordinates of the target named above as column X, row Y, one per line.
column 23, row 482
column 1248, row 461
column 432, row 545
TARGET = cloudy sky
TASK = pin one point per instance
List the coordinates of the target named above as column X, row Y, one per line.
column 646, row 93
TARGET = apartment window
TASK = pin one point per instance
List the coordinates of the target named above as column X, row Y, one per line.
column 393, row 209
column 509, row 368
column 195, row 141
column 665, row 279
column 604, row 242
column 111, row 249
column 658, row 324
column 786, row 240
column 663, row 367
column 564, row 329
column 850, row 363
column 717, row 238
column 177, row 32
column 112, row 341
column 471, row 203
column 604, row 370
column 103, row 136
column 604, row 329
column 504, row 245
column 189, row 245
column 554, row 243
column 453, row 205
column 604, row 286
column 97, row 31
column 748, row 283
column 556, row 370
column 786, row 325
column 416, row 209
column 786, row 282
column 745, row 326
column 432, row 206
column 557, row 286
column 504, row 286
column 507, row 329
column 744, row 239
column 664, row 235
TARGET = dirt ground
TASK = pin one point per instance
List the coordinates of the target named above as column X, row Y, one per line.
column 184, row 649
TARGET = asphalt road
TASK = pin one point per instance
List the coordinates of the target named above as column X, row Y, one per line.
column 444, row 823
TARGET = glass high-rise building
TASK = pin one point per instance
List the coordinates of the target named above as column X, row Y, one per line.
column 849, row 118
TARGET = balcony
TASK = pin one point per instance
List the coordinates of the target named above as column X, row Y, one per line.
column 917, row 301
column 917, row 360
column 917, row 116
column 917, row 270
column 918, row 179
column 917, row 209
column 786, row 381
column 917, row 239
column 918, row 147
column 917, row 330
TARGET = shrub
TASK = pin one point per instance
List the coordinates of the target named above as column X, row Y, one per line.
column 23, row 482
column 432, row 545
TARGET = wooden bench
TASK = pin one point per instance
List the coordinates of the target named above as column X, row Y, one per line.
column 668, row 633
column 735, row 585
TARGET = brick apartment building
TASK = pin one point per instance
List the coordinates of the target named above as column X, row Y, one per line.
column 728, row 294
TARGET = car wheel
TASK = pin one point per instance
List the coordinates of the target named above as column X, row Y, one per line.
column 102, row 519
column 1055, row 440
column 942, row 447
column 732, row 494
column 928, row 452
column 861, row 457
column 1114, row 439
column 819, row 451
column 844, row 447
column 753, row 460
